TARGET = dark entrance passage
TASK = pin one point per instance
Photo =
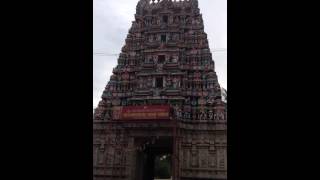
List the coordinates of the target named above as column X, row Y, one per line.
column 154, row 161
column 159, row 82
column 162, row 166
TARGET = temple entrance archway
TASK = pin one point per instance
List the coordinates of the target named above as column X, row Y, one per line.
column 150, row 155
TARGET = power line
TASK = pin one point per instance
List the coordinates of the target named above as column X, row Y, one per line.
column 105, row 54
column 219, row 50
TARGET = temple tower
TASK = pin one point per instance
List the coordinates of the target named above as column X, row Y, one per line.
column 163, row 98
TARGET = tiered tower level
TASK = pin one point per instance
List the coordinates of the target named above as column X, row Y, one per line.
column 164, row 86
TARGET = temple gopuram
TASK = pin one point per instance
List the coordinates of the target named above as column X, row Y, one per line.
column 163, row 99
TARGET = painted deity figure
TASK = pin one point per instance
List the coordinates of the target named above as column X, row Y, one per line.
column 188, row 20
column 176, row 20
column 221, row 116
column 141, row 83
column 169, row 82
column 215, row 116
column 99, row 113
column 210, row 115
column 134, row 25
column 193, row 21
column 174, row 59
column 101, row 153
column 158, row 21
column 125, row 76
column 203, row 115
column 175, row 83
column 175, row 37
column 159, row 67
column 187, row 100
column 194, row 102
column 194, row 115
column 150, row 82
column 107, row 116
column 178, row 112
column 151, row 38
column 169, row 37
column 139, row 24
column 217, row 89
column 154, row 59
column 197, row 21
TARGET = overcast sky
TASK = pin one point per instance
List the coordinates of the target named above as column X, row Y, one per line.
column 112, row 20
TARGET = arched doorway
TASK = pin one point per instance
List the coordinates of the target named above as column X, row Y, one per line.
column 154, row 160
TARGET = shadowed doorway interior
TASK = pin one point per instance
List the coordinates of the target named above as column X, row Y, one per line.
column 154, row 162
column 162, row 167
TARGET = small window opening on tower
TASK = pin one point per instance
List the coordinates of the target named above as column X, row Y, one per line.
column 171, row 59
column 165, row 19
column 163, row 38
column 161, row 58
column 159, row 82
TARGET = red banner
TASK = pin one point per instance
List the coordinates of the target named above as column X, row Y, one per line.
column 152, row 112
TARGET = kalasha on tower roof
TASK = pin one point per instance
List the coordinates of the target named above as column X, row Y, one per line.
column 166, row 60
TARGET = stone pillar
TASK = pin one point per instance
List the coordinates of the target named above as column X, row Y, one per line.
column 130, row 160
